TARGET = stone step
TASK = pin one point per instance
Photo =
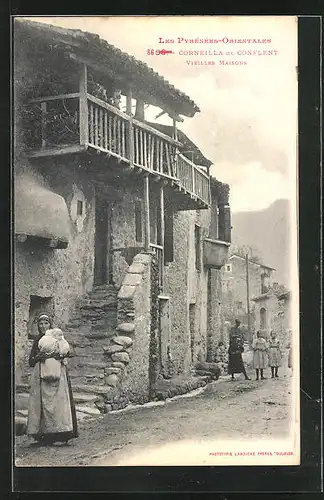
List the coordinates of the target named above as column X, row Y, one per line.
column 85, row 398
column 93, row 389
column 94, row 364
column 21, row 400
column 83, row 371
column 88, row 410
column 85, row 379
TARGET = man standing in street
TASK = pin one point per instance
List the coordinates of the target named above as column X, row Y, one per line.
column 236, row 347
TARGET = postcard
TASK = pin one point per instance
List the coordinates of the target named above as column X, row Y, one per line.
column 156, row 294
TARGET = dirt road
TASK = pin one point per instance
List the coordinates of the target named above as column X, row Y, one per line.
column 224, row 417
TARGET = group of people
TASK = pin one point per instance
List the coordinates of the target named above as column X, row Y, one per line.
column 265, row 353
column 51, row 411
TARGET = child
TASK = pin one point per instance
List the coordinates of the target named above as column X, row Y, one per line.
column 260, row 358
column 274, row 354
column 53, row 343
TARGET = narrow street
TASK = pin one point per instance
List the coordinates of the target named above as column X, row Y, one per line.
column 188, row 430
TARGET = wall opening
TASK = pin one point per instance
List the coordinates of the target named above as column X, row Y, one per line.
column 139, row 221
column 198, row 247
column 263, row 318
column 79, row 207
column 38, row 305
column 168, row 235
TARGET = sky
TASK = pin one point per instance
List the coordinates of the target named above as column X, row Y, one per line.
column 248, row 121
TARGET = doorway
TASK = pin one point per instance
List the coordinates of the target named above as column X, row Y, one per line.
column 38, row 305
column 103, row 244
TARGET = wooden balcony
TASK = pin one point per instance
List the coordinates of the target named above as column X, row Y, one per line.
column 75, row 123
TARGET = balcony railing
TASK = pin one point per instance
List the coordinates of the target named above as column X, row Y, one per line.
column 74, row 121
column 159, row 254
column 193, row 178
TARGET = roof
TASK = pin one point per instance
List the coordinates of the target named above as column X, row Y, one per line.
column 190, row 150
column 110, row 59
column 251, row 262
column 40, row 212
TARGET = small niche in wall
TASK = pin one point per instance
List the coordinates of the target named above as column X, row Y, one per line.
column 79, row 207
column 139, row 221
column 38, row 305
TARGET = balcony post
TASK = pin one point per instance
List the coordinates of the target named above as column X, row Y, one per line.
column 162, row 233
column 175, row 137
column 147, row 236
column 193, row 179
column 83, row 107
column 130, row 135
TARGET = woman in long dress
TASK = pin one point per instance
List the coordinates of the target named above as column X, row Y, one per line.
column 260, row 357
column 274, row 353
column 235, row 361
column 51, row 410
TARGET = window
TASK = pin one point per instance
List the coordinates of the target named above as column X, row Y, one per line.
column 168, row 235
column 263, row 318
column 198, row 247
column 239, row 304
column 138, row 221
column 79, row 207
column 228, row 268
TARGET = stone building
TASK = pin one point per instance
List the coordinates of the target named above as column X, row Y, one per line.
column 241, row 278
column 273, row 312
column 120, row 232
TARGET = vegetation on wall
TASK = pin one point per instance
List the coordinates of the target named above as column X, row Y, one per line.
column 220, row 190
column 154, row 353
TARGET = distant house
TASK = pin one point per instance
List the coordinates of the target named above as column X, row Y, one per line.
column 239, row 278
column 273, row 311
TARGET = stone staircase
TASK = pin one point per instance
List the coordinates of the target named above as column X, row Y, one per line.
column 100, row 357
column 90, row 333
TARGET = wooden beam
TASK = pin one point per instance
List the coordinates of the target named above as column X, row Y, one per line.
column 83, row 106
column 140, row 112
column 147, row 235
column 57, row 151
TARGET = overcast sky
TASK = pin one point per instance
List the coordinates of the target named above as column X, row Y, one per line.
column 248, row 121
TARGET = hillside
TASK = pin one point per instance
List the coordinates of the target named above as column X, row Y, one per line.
column 267, row 231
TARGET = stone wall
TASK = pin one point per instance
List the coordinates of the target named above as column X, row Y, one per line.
column 124, row 243
column 134, row 321
column 60, row 274
column 187, row 289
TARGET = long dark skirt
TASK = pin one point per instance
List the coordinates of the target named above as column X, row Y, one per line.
column 235, row 363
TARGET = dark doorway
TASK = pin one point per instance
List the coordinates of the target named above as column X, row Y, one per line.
column 38, row 305
column 103, row 254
